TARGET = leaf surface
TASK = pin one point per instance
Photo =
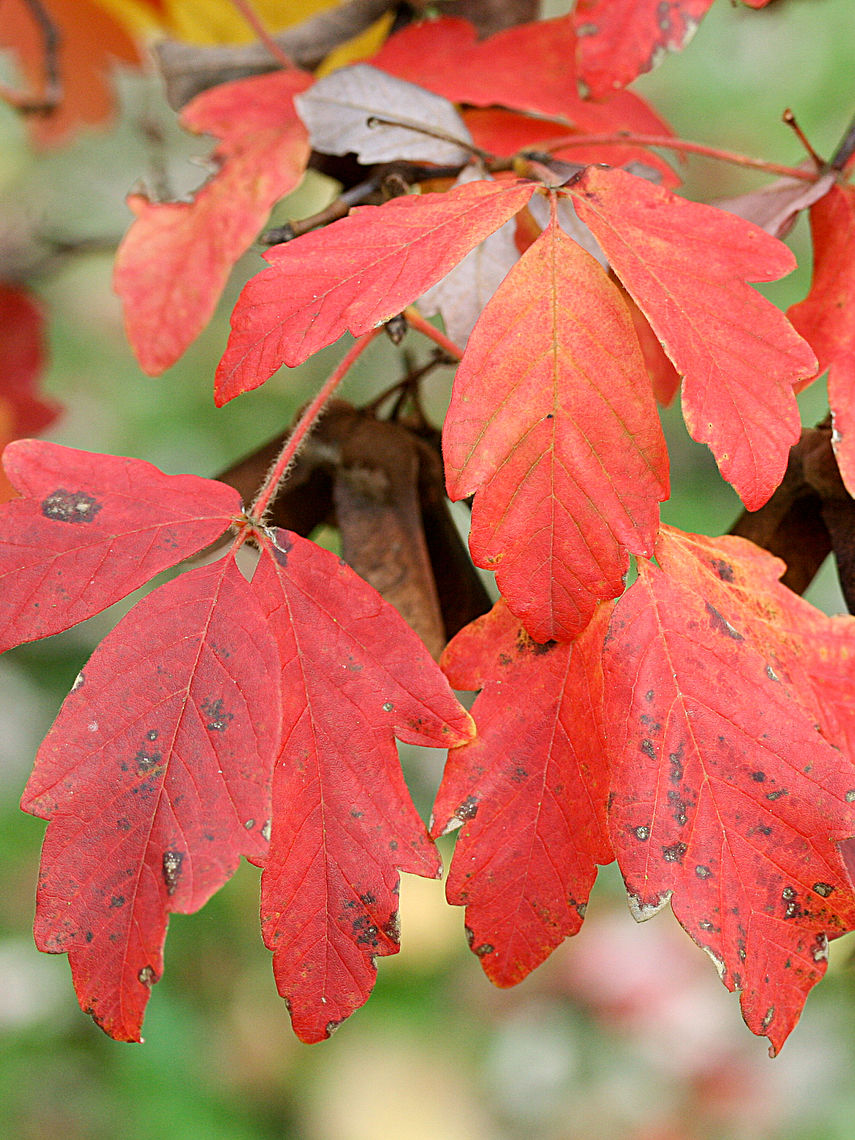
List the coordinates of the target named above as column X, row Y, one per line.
column 553, row 426
column 826, row 317
column 90, row 529
column 173, row 264
column 156, row 779
column 687, row 266
column 355, row 274
column 530, row 790
column 725, row 797
column 354, row 676
column 340, row 109
column 621, row 39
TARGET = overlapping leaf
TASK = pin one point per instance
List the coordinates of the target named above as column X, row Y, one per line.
column 553, row 425
column 354, row 275
column 687, row 266
column 354, row 675
column 530, row 790
column 89, row 529
column 621, row 39
column 725, row 798
column 826, row 318
column 173, row 263
column 156, row 779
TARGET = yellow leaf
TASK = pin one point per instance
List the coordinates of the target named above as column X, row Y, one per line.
column 359, row 47
column 210, row 21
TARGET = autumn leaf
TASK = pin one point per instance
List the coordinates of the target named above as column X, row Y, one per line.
column 355, row 274
column 825, row 320
column 156, row 779
column 173, row 263
column 353, row 110
column 90, row 529
column 23, row 352
column 354, row 676
column 553, row 427
column 530, row 791
column 725, row 798
column 687, row 266
column 621, row 39
column 91, row 42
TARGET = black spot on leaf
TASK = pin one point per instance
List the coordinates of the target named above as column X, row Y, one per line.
column 173, row 861
column 720, row 624
column 217, row 719
column 70, row 506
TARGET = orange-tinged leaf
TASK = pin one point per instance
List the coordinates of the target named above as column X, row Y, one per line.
column 90, row 43
column 173, row 263
column 621, row 39
column 725, row 798
column 553, row 426
column 688, row 266
column 355, row 274
column 89, row 529
column 826, row 317
column 156, row 779
column 530, row 790
column 354, row 676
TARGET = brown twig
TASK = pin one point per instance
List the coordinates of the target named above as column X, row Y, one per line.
column 53, row 93
column 790, row 119
column 845, row 149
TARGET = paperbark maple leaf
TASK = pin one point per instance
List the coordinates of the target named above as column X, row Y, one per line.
column 826, row 318
column 156, row 779
column 621, row 39
column 173, row 263
column 355, row 274
column 354, row 676
column 687, row 266
column 530, row 790
column 552, row 425
column 90, row 529
column 725, row 798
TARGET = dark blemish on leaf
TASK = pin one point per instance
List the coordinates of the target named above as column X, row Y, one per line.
column 819, row 951
column 702, row 872
column 676, row 758
column 218, row 720
column 758, row 777
column 526, row 644
column 209, row 835
column 674, row 853
column 720, row 623
column 70, row 506
column 788, row 893
column 467, row 810
column 705, row 924
column 641, row 833
column 123, row 824
column 282, row 546
column 392, row 929
column 679, row 807
column 740, row 949
column 393, row 844
column 368, row 898
column 772, row 675
column 147, row 976
column 823, row 889
column 250, row 824
column 365, row 932
column 79, row 682
column 776, row 795
column 355, row 813
column 519, row 775
column 265, row 831
column 648, row 749
column 648, row 696
column 172, row 864
column 388, row 706
column 550, row 416
column 767, row 1018
column 152, row 734
column 117, row 901
column 723, row 569
column 850, row 797
column 89, row 935
column 145, row 761
column 581, row 909
column 505, row 660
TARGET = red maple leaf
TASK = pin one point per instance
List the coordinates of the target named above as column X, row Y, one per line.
column 825, row 320
column 354, row 676
column 156, row 779
column 687, row 266
column 725, row 798
column 621, row 39
column 89, row 529
column 355, row 274
column 552, row 423
column 530, row 790
column 173, row 263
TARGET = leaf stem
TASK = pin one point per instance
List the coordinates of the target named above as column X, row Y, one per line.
column 416, row 321
column 306, row 422
column 681, row 145
column 247, row 10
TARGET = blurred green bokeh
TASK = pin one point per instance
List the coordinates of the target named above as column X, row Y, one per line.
column 625, row 1032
